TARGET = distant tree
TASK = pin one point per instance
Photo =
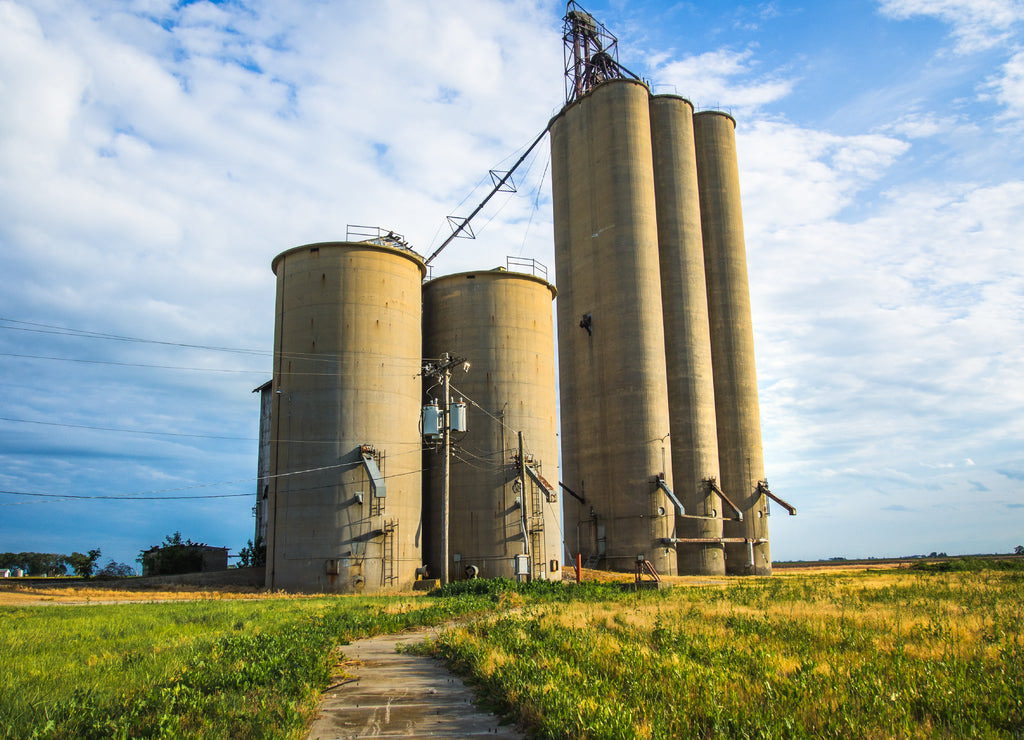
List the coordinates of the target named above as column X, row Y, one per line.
column 84, row 565
column 253, row 555
column 114, row 569
column 1018, row 550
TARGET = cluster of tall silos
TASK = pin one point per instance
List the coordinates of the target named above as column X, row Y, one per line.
column 660, row 429
column 351, row 489
column 660, row 425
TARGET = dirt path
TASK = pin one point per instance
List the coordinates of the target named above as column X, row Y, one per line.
column 400, row 695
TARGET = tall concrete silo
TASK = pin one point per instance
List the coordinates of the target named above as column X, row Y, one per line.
column 501, row 323
column 614, row 395
column 691, row 390
column 345, row 502
column 732, row 341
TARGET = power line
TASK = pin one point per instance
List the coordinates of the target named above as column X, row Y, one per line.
column 41, row 328
column 488, row 413
column 175, row 434
column 85, row 333
column 146, row 495
column 331, row 358
column 124, row 498
column 139, row 364
column 127, row 431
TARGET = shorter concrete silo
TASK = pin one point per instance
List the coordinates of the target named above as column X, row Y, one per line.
column 344, row 504
column 500, row 505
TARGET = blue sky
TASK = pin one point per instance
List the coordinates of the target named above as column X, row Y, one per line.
column 155, row 156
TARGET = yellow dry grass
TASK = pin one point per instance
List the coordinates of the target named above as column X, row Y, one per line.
column 33, row 595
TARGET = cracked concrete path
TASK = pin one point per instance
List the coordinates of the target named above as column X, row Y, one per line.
column 390, row 694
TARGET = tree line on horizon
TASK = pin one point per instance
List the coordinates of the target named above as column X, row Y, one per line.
column 53, row 564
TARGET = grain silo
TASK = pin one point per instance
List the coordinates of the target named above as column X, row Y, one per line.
column 501, row 323
column 732, row 341
column 691, row 391
column 344, row 510
column 613, row 386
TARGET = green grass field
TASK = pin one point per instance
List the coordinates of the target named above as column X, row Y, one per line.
column 907, row 653
column 874, row 655
column 200, row 669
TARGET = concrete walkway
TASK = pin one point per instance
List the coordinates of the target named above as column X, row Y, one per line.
column 391, row 694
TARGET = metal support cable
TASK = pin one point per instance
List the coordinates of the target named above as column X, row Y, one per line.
column 500, row 184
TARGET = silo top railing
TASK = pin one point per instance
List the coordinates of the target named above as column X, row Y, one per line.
column 527, row 265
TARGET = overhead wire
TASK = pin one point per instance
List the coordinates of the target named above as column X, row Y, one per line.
column 88, row 334
column 536, row 202
column 125, row 431
column 526, row 173
column 457, row 456
column 526, row 445
column 197, row 369
column 146, row 495
column 136, row 364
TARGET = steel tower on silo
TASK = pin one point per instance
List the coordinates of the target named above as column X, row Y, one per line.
column 613, row 385
column 502, row 504
column 344, row 504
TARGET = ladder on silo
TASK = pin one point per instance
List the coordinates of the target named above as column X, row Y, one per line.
column 537, row 543
column 533, row 518
column 388, row 576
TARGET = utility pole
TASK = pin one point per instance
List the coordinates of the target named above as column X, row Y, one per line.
column 446, row 443
column 443, row 372
column 524, row 514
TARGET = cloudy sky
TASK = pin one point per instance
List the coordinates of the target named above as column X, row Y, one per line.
column 155, row 156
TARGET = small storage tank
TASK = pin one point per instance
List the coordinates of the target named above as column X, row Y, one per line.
column 691, row 389
column 613, row 386
column 732, row 341
column 345, row 499
column 501, row 323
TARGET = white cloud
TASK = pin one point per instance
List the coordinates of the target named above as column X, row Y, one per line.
column 793, row 176
column 723, row 78
column 916, row 125
column 1008, row 88
column 977, row 24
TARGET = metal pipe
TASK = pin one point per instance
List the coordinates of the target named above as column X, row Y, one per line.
column 714, row 487
column 670, row 541
column 762, row 486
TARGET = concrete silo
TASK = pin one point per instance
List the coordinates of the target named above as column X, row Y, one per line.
column 732, row 341
column 344, row 510
column 691, row 390
column 614, row 402
column 501, row 323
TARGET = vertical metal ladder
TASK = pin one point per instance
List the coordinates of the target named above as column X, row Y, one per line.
column 388, row 576
column 537, row 549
